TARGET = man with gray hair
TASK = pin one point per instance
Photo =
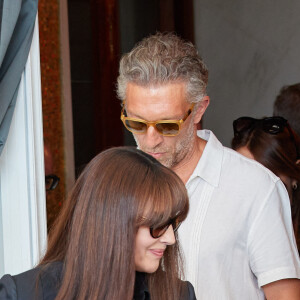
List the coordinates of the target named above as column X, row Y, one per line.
column 238, row 239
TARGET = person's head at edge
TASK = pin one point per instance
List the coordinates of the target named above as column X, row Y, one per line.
column 287, row 105
column 278, row 153
column 159, row 80
column 102, row 234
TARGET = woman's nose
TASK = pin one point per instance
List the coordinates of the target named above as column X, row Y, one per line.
column 168, row 237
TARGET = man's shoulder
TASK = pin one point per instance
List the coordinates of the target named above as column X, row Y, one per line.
column 228, row 165
column 242, row 165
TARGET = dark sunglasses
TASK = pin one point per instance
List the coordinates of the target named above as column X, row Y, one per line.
column 271, row 125
column 164, row 127
column 157, row 232
column 51, row 182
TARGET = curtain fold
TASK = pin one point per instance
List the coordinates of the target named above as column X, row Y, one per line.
column 17, row 19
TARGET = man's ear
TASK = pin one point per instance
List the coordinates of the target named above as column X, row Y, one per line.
column 200, row 109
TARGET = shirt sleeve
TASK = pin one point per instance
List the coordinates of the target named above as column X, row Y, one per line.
column 271, row 242
column 8, row 290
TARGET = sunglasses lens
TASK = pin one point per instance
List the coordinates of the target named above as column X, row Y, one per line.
column 51, row 182
column 175, row 224
column 136, row 126
column 167, row 128
column 273, row 126
column 159, row 231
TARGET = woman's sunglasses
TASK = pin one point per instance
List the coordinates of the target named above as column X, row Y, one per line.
column 164, row 127
column 51, row 182
column 157, row 232
column 271, row 125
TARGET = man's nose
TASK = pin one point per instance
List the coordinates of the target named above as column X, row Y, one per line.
column 153, row 137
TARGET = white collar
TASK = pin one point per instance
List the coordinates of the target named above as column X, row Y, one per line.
column 210, row 164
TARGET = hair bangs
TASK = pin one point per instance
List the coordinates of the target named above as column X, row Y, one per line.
column 163, row 198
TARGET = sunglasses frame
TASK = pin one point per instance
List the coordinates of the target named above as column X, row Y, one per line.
column 252, row 123
column 54, row 181
column 154, row 123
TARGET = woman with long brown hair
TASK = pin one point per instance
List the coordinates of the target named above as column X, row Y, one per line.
column 115, row 236
column 272, row 142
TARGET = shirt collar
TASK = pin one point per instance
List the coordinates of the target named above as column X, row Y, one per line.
column 210, row 163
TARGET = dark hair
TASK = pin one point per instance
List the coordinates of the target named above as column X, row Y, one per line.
column 94, row 235
column 276, row 152
column 287, row 105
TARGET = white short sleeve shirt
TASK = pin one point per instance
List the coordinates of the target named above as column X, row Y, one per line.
column 238, row 235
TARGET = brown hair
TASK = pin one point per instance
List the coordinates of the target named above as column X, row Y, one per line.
column 94, row 235
column 277, row 152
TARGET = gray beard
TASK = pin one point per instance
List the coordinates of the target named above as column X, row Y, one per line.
column 182, row 148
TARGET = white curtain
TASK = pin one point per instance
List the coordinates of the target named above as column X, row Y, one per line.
column 22, row 180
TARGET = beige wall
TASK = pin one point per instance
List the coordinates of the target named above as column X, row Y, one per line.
column 251, row 49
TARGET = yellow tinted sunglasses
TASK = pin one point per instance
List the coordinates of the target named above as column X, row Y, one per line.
column 164, row 127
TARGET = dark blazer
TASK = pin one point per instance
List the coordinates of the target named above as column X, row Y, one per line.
column 25, row 287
